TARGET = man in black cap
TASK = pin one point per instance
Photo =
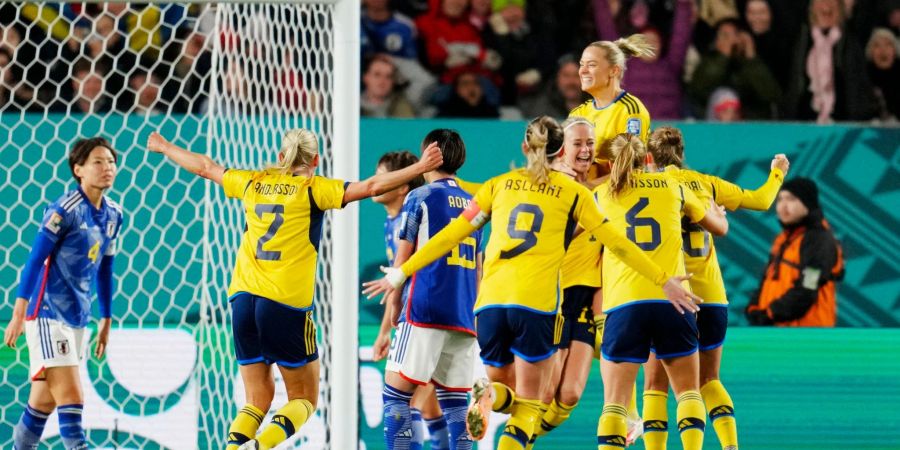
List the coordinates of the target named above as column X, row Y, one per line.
column 798, row 288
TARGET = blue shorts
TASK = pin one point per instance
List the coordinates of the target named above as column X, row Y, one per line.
column 269, row 332
column 633, row 329
column 505, row 332
column 578, row 312
column 712, row 321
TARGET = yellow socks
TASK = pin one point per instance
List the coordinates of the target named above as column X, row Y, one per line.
column 503, row 398
column 521, row 424
column 539, row 428
column 721, row 413
column 244, row 426
column 285, row 423
column 691, row 420
column 599, row 322
column 611, row 427
column 656, row 417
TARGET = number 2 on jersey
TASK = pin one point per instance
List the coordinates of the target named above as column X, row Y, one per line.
column 529, row 236
column 634, row 222
column 267, row 208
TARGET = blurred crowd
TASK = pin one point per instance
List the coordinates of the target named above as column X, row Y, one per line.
column 96, row 58
column 720, row 60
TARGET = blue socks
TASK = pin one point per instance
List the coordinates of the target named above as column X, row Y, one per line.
column 440, row 435
column 454, row 405
column 70, row 426
column 397, row 418
column 27, row 433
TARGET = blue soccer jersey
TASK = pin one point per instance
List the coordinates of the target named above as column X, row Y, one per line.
column 391, row 236
column 81, row 239
column 441, row 295
column 395, row 36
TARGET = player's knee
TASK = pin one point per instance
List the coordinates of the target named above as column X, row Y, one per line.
column 260, row 395
column 570, row 395
column 708, row 375
column 42, row 405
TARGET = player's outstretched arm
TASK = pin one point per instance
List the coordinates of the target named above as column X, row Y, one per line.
column 733, row 196
column 378, row 184
column 194, row 163
column 439, row 245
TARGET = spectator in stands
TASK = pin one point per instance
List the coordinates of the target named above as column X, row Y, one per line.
column 884, row 69
column 709, row 14
column 769, row 38
column 559, row 95
column 733, row 63
column 798, row 286
column 480, row 12
column 452, row 45
column 391, row 33
column 655, row 80
column 892, row 14
column 87, row 88
column 9, row 100
column 191, row 62
column 724, row 106
column 510, row 35
column 828, row 79
column 382, row 95
column 145, row 88
column 468, row 99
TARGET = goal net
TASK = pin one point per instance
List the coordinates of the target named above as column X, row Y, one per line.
column 226, row 79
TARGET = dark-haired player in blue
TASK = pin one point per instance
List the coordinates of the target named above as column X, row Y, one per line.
column 435, row 341
column 71, row 257
column 425, row 411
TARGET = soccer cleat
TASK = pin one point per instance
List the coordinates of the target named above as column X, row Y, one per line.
column 480, row 409
column 252, row 444
column 635, row 429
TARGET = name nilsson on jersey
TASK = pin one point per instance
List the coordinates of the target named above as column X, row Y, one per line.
column 648, row 183
column 541, row 188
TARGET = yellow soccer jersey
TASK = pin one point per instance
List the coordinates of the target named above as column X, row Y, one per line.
column 700, row 258
column 532, row 226
column 626, row 114
column 581, row 265
column 279, row 248
column 733, row 196
column 469, row 186
column 649, row 211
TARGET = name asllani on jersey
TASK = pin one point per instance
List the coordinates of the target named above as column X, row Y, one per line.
column 541, row 188
column 274, row 189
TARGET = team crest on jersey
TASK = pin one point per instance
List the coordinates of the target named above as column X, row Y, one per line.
column 633, row 126
column 111, row 228
column 62, row 347
column 53, row 223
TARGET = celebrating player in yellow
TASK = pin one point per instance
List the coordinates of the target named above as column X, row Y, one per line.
column 700, row 259
column 648, row 207
column 535, row 211
column 611, row 109
column 273, row 281
column 579, row 280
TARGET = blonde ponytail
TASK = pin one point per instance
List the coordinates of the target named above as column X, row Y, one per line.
column 298, row 148
column 628, row 153
column 617, row 52
column 635, row 45
column 544, row 138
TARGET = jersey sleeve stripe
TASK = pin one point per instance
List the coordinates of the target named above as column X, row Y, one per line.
column 570, row 224
column 630, row 104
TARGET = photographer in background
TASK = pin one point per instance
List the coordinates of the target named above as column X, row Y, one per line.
column 798, row 286
column 733, row 63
